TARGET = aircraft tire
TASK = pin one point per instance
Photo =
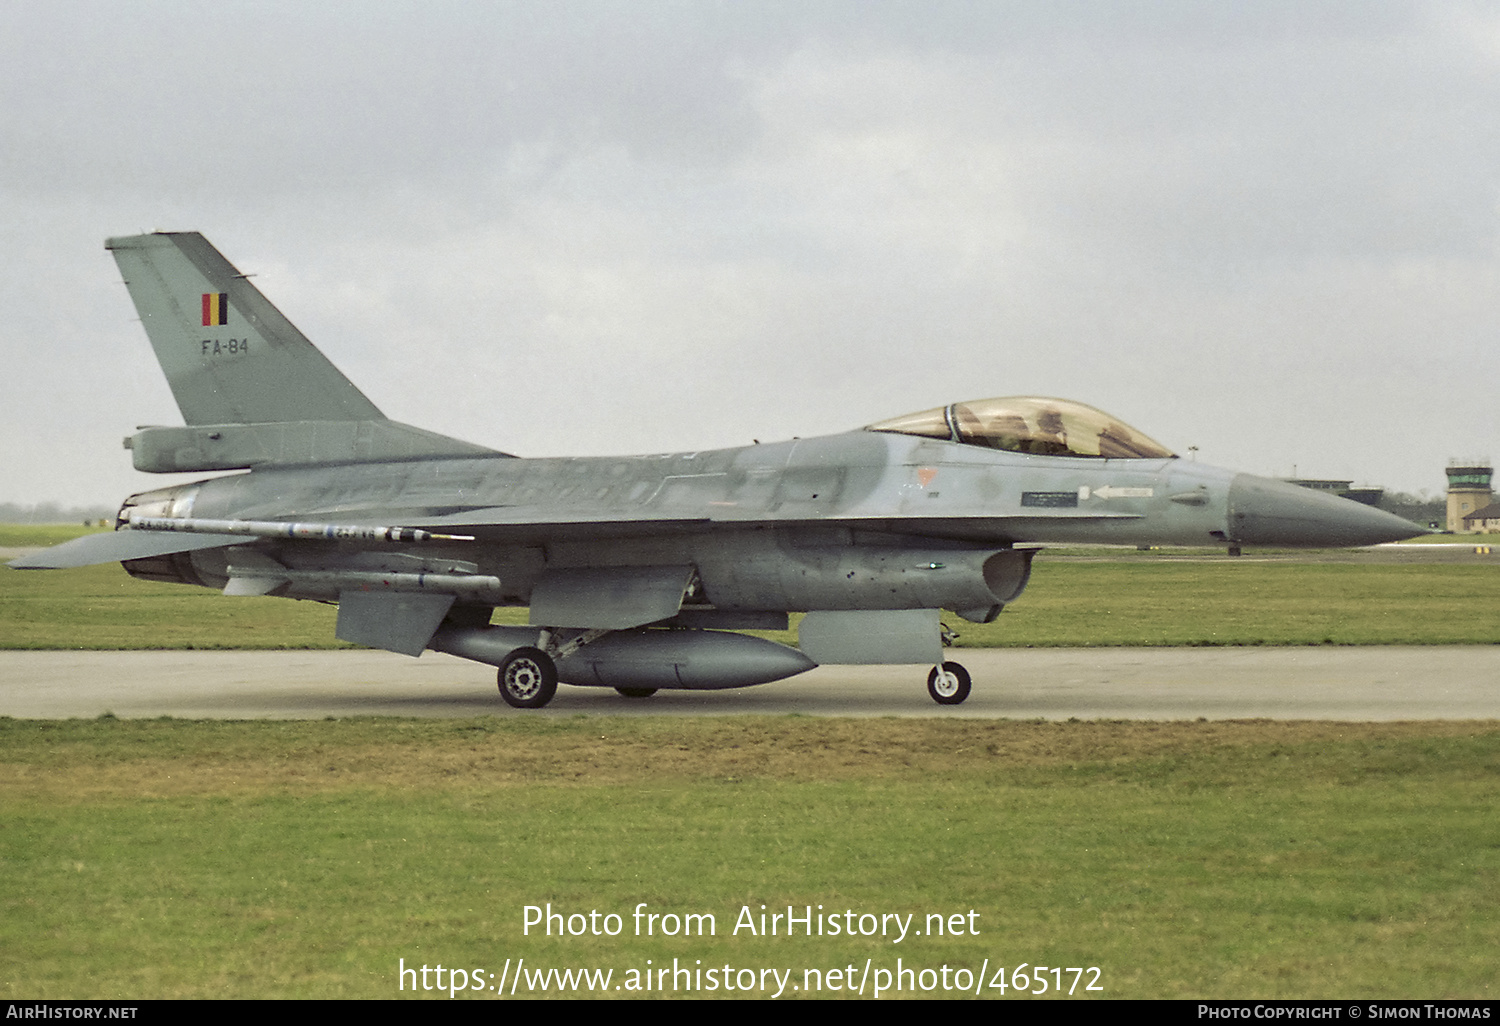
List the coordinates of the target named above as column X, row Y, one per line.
column 948, row 684
column 637, row 692
column 527, row 678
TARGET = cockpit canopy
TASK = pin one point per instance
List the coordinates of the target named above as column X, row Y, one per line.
column 1030, row 424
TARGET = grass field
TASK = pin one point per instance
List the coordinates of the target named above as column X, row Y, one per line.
column 177, row 859
column 35, row 535
column 169, row 858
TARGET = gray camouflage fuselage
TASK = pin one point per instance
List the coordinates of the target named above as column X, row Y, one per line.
column 633, row 567
column 782, row 526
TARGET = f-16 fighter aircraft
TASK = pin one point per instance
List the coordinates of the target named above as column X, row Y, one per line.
column 637, row 570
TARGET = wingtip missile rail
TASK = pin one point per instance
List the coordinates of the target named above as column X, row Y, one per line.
column 281, row 529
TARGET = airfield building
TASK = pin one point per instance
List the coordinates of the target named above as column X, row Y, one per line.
column 1343, row 489
column 1485, row 520
column 1469, row 492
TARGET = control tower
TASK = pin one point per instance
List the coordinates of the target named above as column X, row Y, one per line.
column 1468, row 489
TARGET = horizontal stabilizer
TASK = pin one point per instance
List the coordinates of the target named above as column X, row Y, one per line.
column 119, row 546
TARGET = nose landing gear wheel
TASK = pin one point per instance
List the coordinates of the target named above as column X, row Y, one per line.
column 528, row 678
column 948, row 684
column 637, row 692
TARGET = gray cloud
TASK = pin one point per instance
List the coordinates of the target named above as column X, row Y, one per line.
column 1267, row 230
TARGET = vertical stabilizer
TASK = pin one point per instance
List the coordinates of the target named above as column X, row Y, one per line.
column 228, row 354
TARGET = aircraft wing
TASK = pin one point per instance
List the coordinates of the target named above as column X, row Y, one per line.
column 500, row 522
column 512, row 525
column 550, row 516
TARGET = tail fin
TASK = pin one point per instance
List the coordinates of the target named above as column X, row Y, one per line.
column 252, row 389
column 229, row 355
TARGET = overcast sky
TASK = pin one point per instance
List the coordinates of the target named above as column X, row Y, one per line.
column 1268, row 229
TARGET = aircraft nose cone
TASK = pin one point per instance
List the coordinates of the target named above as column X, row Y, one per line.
column 1266, row 512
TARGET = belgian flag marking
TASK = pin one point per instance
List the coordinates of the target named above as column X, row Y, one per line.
column 215, row 308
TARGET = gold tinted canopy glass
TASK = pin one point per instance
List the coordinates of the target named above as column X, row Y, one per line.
column 1030, row 424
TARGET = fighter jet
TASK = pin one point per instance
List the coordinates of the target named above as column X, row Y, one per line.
column 637, row 571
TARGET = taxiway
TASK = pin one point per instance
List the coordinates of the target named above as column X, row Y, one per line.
column 1323, row 683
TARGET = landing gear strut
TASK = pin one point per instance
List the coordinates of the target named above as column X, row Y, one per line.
column 528, row 678
column 948, row 684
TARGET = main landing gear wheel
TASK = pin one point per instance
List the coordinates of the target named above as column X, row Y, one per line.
column 948, row 684
column 528, row 678
column 637, row 692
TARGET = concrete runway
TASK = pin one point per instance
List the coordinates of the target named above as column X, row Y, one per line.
column 1317, row 683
